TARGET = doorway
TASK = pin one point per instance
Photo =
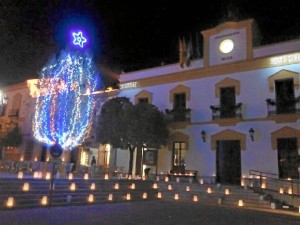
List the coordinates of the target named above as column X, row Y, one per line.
column 288, row 159
column 228, row 162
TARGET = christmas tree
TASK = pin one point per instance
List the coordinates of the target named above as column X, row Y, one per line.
column 65, row 103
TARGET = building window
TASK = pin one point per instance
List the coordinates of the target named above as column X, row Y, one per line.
column 179, row 101
column 227, row 102
column 143, row 100
column 285, row 97
column 179, row 153
column 227, row 90
column 179, row 113
column 143, row 96
column 285, row 101
column 17, row 100
column 2, row 110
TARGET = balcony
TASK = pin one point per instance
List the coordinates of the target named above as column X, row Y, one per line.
column 283, row 107
column 287, row 110
column 226, row 112
column 179, row 115
column 226, row 115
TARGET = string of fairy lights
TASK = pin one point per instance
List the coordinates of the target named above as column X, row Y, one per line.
column 63, row 109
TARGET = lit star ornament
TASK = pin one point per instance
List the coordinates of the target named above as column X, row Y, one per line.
column 79, row 39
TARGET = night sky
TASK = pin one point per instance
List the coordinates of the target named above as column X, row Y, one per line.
column 127, row 35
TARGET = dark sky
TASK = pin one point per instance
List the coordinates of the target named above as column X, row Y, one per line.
column 129, row 35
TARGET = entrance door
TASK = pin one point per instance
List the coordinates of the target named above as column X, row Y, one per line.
column 288, row 158
column 228, row 162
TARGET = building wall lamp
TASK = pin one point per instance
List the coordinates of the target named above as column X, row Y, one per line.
column 203, row 135
column 251, row 133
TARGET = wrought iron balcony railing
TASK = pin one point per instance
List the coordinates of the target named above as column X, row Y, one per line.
column 225, row 112
column 179, row 115
column 283, row 106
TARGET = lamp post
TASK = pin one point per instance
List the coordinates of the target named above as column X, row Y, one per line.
column 203, row 135
column 251, row 133
column 56, row 152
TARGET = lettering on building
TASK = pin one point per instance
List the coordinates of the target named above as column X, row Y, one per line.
column 128, row 85
column 226, row 58
column 285, row 59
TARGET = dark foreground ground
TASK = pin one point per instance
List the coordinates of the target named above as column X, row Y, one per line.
column 146, row 213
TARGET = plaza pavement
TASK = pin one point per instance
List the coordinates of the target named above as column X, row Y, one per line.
column 155, row 212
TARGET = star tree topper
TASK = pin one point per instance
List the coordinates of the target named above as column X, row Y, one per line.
column 79, row 39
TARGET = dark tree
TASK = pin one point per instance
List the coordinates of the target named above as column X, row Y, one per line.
column 150, row 130
column 124, row 125
column 13, row 139
column 117, row 115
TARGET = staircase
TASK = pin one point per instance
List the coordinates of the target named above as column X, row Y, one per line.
column 212, row 194
column 14, row 195
column 71, row 192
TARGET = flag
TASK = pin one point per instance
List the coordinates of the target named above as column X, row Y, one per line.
column 198, row 55
column 189, row 52
column 182, row 52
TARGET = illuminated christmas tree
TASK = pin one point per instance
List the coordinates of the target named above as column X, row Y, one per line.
column 65, row 104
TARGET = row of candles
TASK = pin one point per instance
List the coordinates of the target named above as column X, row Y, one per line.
column 132, row 186
column 264, row 186
column 166, row 179
column 39, row 175
column 195, row 198
column 44, row 200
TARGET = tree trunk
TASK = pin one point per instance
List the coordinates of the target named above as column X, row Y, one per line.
column 138, row 166
column 131, row 151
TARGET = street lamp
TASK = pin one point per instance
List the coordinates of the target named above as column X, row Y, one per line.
column 3, row 103
column 203, row 135
column 251, row 133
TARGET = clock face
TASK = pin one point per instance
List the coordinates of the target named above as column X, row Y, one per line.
column 226, row 46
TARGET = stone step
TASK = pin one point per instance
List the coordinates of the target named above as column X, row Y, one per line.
column 67, row 200
column 217, row 195
column 103, row 188
column 214, row 199
column 62, row 195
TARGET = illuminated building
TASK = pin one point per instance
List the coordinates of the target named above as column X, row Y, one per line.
column 236, row 109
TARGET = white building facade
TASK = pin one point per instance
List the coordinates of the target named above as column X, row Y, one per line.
column 237, row 109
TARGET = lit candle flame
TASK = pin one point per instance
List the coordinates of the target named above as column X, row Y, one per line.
column 144, row 195
column 10, row 202
column 91, row 198
column 44, row 200
column 26, row 187
column 241, row 202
